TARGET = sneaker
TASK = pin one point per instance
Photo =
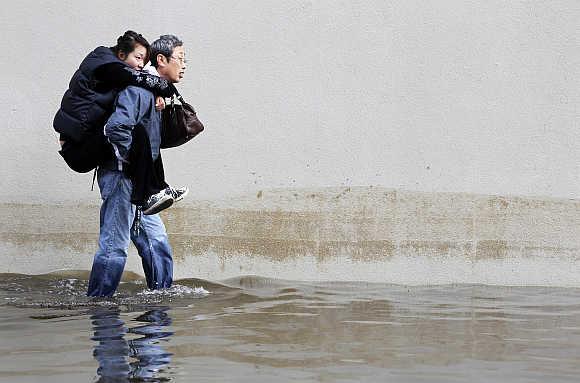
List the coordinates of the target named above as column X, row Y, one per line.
column 157, row 202
column 177, row 193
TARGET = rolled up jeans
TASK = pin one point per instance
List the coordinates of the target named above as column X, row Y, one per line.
column 116, row 219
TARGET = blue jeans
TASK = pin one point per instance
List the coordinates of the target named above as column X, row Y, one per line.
column 117, row 214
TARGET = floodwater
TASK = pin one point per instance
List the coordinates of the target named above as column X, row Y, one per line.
column 253, row 329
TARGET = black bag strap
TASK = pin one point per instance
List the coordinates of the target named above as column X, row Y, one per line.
column 181, row 100
column 178, row 96
column 94, row 177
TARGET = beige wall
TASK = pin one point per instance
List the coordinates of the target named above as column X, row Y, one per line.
column 352, row 234
column 471, row 97
column 462, row 96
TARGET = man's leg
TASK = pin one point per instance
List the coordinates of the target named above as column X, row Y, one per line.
column 116, row 217
column 153, row 247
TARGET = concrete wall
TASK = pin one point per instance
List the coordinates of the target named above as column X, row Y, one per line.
column 460, row 96
column 477, row 97
column 361, row 234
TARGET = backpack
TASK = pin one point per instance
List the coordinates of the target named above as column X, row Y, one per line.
column 83, row 112
column 88, row 153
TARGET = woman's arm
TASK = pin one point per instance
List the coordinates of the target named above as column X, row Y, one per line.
column 117, row 74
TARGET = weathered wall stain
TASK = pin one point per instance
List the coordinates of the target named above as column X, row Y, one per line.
column 67, row 242
column 364, row 225
column 492, row 249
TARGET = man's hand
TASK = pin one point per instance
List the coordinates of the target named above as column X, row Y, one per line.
column 159, row 103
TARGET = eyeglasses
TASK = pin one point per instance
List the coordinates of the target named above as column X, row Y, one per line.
column 181, row 60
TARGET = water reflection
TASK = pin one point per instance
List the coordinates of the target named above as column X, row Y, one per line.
column 138, row 359
column 261, row 330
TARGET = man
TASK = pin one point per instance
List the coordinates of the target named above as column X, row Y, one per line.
column 134, row 110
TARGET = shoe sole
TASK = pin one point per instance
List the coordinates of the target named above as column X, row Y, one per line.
column 162, row 204
column 182, row 196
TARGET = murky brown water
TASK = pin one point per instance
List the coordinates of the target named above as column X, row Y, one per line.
column 259, row 330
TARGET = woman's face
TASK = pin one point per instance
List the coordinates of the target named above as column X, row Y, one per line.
column 135, row 59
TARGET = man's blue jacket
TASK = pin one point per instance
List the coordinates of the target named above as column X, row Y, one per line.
column 134, row 107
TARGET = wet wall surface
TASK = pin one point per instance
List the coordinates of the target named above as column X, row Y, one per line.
column 368, row 234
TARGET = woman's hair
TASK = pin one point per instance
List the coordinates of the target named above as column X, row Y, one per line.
column 126, row 44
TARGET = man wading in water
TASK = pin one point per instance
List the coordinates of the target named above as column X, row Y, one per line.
column 134, row 111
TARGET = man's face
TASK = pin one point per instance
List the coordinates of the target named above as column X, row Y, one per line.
column 173, row 68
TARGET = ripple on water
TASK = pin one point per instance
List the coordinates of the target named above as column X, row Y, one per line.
column 275, row 330
column 68, row 291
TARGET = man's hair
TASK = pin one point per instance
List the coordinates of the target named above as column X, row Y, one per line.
column 127, row 42
column 164, row 45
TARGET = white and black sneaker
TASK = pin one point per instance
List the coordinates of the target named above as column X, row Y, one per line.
column 177, row 193
column 158, row 202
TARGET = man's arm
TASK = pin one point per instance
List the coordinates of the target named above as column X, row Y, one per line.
column 130, row 108
column 117, row 74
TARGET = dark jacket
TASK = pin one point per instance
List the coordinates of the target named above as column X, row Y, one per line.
column 88, row 102
column 82, row 106
column 133, row 130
